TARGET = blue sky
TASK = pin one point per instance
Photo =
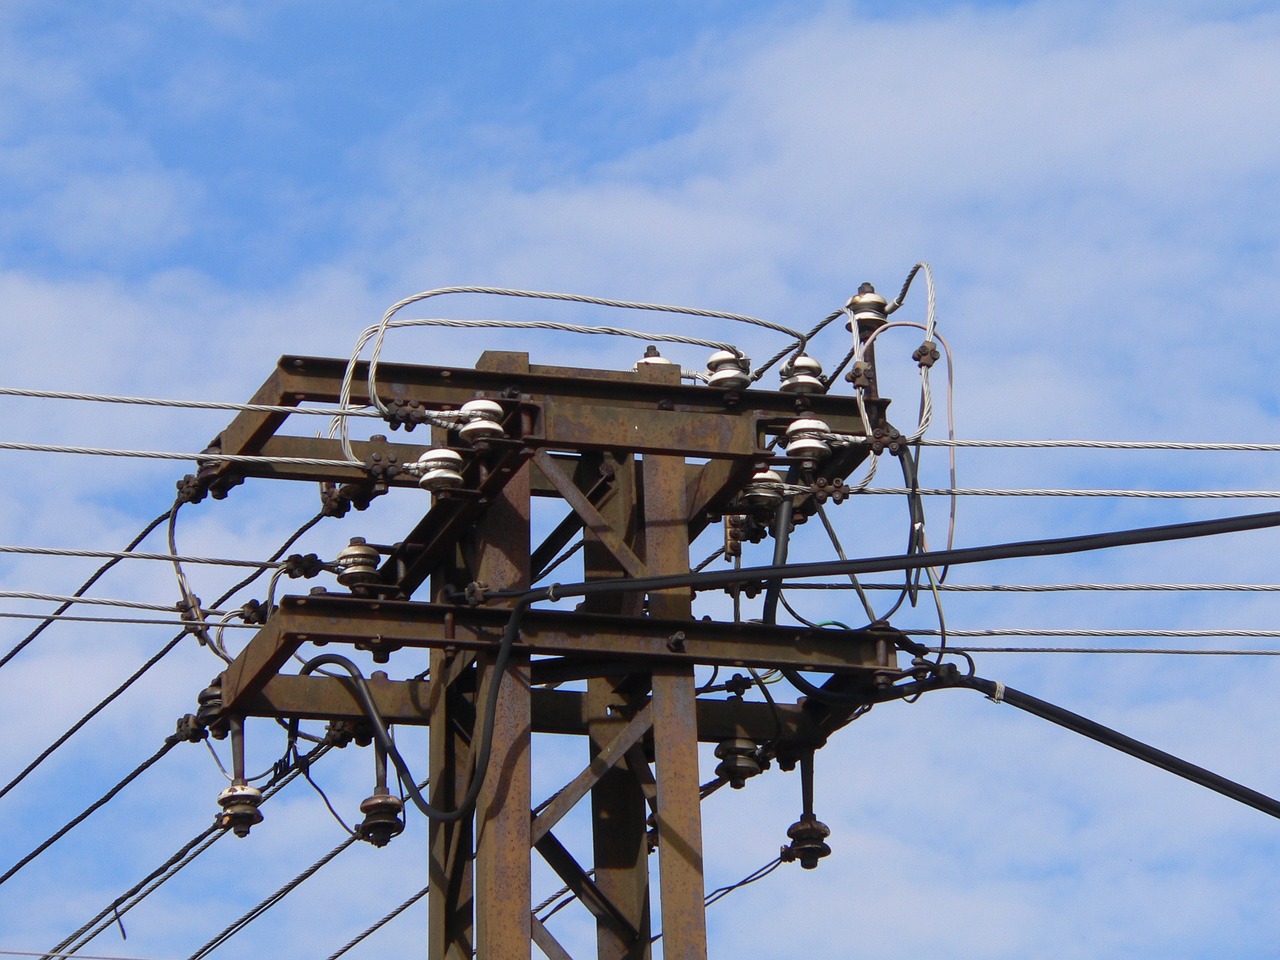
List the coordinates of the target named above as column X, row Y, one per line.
column 188, row 190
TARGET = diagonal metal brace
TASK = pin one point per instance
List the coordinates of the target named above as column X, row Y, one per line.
column 577, row 788
column 591, row 517
column 593, row 898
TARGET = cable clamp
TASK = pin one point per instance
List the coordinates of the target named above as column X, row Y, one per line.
column 926, row 354
column 551, row 592
column 997, row 695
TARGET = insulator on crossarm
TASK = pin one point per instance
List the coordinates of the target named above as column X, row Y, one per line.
column 808, row 844
column 802, row 375
column 764, row 491
column 866, row 305
column 382, row 818
column 483, row 420
column 439, row 469
column 728, row 370
column 357, row 563
column 738, row 761
column 806, row 439
column 652, row 358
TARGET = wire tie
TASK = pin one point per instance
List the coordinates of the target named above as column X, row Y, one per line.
column 997, row 695
column 551, row 592
column 115, row 908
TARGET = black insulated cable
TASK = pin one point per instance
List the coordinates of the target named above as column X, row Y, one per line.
column 719, row 579
column 1119, row 741
column 480, row 765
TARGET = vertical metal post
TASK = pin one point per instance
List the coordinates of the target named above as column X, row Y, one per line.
column 675, row 723
column 619, row 813
column 450, row 903
column 503, row 840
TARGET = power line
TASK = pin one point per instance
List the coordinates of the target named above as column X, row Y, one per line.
column 1072, row 492
column 102, row 704
column 1057, row 587
column 1193, row 652
column 169, row 743
column 258, row 910
column 1102, row 445
column 156, row 657
column 109, row 915
column 379, row 924
column 83, row 588
column 140, row 621
column 164, row 455
column 1095, row 632
column 184, row 404
column 133, row 555
column 93, row 601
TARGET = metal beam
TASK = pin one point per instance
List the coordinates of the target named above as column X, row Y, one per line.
column 391, row 624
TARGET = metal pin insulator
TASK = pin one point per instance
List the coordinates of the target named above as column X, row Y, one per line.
column 764, row 491
column 652, row 358
column 802, row 375
column 357, row 562
column 239, row 803
column 808, row 841
column 738, row 761
column 483, row 420
column 806, row 439
column 382, row 819
column 866, row 304
column 439, row 469
column 728, row 370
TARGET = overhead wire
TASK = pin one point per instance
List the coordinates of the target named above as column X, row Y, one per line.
column 379, row 924
column 169, row 744
column 1162, row 651
column 270, row 901
column 155, row 658
column 188, row 852
column 1058, row 587
column 143, row 621
column 132, row 555
column 182, row 404
column 73, row 600
column 83, row 588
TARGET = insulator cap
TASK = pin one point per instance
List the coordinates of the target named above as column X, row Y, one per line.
column 764, row 490
column 483, row 420
column 728, row 370
column 866, row 304
column 439, row 469
column 808, row 841
column 653, row 358
column 738, row 761
column 805, row 439
column 802, row 375
column 239, row 803
column 357, row 562
column 382, row 819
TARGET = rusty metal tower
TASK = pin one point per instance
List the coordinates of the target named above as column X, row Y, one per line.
column 643, row 463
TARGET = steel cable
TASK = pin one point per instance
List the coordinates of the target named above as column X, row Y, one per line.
column 108, row 916
column 169, row 744
column 378, row 925
column 155, row 658
column 21, row 644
